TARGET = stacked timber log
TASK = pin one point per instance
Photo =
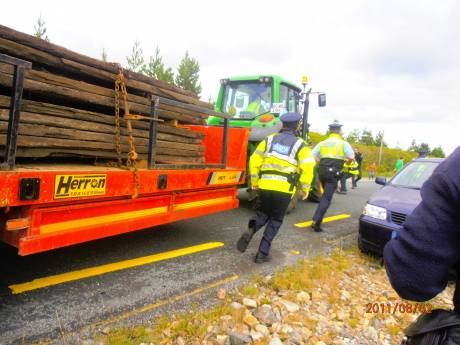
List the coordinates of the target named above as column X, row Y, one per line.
column 68, row 106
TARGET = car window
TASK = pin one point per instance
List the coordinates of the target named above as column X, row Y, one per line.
column 414, row 174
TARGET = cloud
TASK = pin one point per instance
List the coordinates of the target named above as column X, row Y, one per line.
column 386, row 65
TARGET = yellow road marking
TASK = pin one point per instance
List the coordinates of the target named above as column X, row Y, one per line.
column 93, row 221
column 164, row 302
column 208, row 202
column 325, row 220
column 98, row 270
column 150, row 307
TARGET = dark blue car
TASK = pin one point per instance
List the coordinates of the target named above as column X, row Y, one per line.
column 388, row 208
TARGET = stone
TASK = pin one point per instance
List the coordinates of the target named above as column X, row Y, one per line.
column 250, row 303
column 256, row 335
column 275, row 341
column 286, row 329
column 222, row 339
column 239, row 338
column 372, row 333
column 250, row 320
column 290, row 306
column 276, row 327
column 105, row 330
column 345, row 295
column 265, row 314
column 236, row 305
column 88, row 342
column 303, row 297
column 262, row 329
column 221, row 294
column 316, row 296
column 226, row 318
column 295, row 338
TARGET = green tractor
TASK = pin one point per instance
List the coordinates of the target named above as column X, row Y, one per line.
column 257, row 102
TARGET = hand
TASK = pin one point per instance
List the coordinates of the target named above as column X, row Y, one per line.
column 304, row 195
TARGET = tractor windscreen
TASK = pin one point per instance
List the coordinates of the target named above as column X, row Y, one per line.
column 249, row 98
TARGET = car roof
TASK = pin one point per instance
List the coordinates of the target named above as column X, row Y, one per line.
column 428, row 159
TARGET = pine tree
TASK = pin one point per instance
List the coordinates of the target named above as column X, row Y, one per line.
column 424, row 147
column 379, row 140
column 438, row 152
column 353, row 136
column 136, row 60
column 104, row 54
column 188, row 74
column 367, row 138
column 40, row 29
column 413, row 146
column 156, row 68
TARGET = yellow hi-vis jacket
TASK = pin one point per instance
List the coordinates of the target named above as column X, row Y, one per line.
column 332, row 147
column 253, row 107
column 275, row 164
column 351, row 168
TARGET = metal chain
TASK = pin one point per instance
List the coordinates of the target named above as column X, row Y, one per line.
column 117, row 123
column 131, row 162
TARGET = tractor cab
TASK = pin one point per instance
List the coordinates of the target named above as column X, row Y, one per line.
column 256, row 102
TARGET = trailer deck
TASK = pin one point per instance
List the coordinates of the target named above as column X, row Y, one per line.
column 47, row 206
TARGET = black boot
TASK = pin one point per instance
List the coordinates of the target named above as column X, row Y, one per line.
column 317, row 227
column 260, row 258
column 246, row 237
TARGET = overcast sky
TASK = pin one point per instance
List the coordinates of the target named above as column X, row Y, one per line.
column 386, row 65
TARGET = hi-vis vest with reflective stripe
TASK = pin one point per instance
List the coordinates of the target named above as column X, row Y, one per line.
column 253, row 107
column 351, row 168
column 276, row 160
column 332, row 147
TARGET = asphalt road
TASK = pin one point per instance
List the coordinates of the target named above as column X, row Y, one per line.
column 79, row 308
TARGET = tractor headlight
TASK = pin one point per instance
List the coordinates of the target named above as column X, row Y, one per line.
column 375, row 212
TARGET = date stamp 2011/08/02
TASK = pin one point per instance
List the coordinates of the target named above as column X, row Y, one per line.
column 399, row 307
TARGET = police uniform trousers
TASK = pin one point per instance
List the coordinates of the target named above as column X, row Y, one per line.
column 329, row 185
column 343, row 181
column 273, row 206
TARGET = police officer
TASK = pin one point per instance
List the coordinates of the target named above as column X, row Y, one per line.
column 350, row 169
column 278, row 164
column 419, row 256
column 331, row 155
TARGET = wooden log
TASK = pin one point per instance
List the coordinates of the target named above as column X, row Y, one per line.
column 41, row 153
column 84, row 115
column 27, row 141
column 90, row 127
column 88, row 98
column 62, row 52
column 43, row 58
column 58, row 80
column 73, row 134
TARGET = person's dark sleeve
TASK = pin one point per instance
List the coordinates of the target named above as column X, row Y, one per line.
column 418, row 260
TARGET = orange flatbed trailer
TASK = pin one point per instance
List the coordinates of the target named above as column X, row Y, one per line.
column 43, row 207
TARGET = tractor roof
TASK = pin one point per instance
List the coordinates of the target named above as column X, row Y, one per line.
column 258, row 76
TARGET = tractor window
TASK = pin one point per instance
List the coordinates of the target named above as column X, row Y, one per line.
column 248, row 98
column 290, row 97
